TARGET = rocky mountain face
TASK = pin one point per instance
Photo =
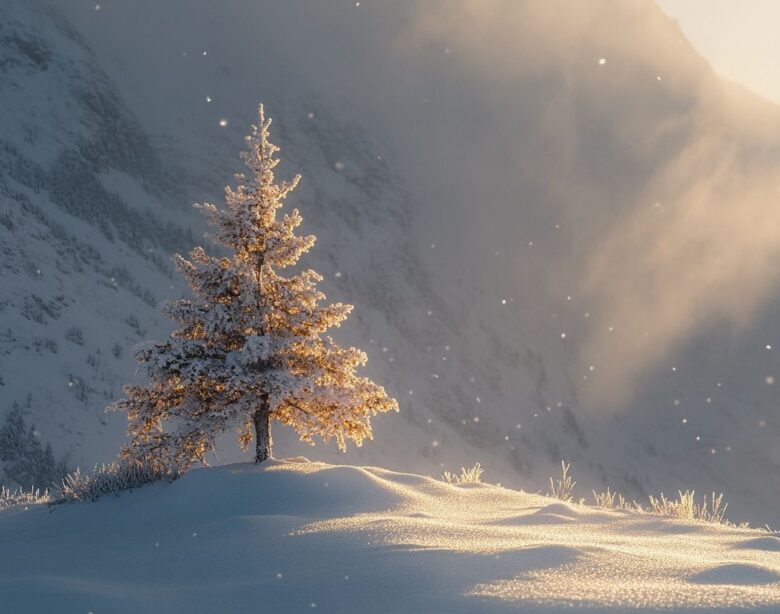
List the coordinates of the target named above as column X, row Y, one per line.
column 559, row 244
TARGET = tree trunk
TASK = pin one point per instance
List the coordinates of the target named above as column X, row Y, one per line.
column 263, row 442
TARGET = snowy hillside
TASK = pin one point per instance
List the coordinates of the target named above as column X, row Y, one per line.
column 294, row 536
column 551, row 241
column 88, row 223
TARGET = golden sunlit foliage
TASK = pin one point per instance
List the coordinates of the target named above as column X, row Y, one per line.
column 249, row 349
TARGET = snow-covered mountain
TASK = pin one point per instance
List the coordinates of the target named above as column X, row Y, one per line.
column 556, row 223
column 89, row 218
column 295, row 536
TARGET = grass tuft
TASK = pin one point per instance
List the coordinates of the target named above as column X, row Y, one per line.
column 563, row 489
column 467, row 476
column 13, row 498
column 685, row 506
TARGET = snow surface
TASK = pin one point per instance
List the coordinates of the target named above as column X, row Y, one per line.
column 292, row 536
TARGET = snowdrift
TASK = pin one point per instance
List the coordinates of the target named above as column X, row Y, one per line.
column 292, row 536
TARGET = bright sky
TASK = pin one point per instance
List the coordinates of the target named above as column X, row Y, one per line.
column 739, row 38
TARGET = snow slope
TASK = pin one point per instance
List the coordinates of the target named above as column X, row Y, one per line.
column 473, row 201
column 295, row 536
column 88, row 222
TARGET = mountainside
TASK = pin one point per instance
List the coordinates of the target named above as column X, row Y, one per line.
column 89, row 219
column 559, row 245
column 293, row 536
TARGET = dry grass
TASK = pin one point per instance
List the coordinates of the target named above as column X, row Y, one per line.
column 712, row 509
column 110, row 479
column 614, row 501
column 563, row 489
column 685, row 506
column 467, row 476
column 13, row 498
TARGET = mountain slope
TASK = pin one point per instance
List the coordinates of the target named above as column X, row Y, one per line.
column 293, row 536
column 87, row 226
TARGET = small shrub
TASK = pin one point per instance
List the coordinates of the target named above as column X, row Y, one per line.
column 563, row 489
column 111, row 479
column 467, row 476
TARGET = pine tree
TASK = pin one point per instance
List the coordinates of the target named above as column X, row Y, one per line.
column 25, row 460
column 250, row 348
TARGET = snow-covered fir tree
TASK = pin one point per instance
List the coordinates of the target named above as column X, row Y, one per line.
column 250, row 348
